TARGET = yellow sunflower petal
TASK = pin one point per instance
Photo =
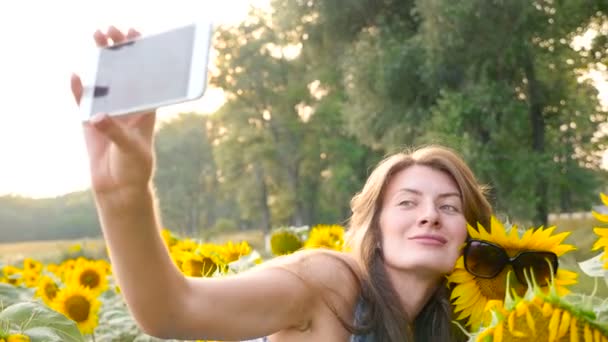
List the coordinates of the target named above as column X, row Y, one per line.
column 530, row 322
column 565, row 277
column 469, row 300
column 562, row 249
column 554, row 324
column 588, row 335
column 464, row 289
column 477, row 314
column 526, row 237
column 498, row 333
column 511, row 322
column 600, row 217
column 483, row 233
column 604, row 198
column 599, row 244
column 573, row 330
column 513, row 235
column 499, row 233
column 474, row 233
column 564, row 324
column 460, row 276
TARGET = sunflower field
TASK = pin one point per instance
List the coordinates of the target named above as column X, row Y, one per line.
column 77, row 299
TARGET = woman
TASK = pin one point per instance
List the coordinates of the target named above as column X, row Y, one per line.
column 408, row 224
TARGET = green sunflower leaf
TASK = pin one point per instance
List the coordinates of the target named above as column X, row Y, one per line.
column 594, row 267
column 10, row 295
column 41, row 323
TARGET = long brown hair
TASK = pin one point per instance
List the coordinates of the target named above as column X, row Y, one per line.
column 384, row 316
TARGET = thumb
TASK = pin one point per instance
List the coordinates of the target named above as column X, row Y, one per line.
column 76, row 86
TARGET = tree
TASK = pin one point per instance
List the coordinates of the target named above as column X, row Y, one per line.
column 283, row 124
column 496, row 79
column 186, row 174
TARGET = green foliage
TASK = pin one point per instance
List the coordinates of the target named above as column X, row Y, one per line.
column 186, row 179
column 496, row 80
column 64, row 217
column 40, row 323
column 10, row 295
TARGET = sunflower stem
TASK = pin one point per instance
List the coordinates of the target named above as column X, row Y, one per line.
column 594, row 287
column 463, row 329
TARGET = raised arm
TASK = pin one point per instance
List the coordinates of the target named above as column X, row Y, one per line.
column 164, row 302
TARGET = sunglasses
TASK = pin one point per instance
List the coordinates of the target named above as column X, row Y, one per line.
column 484, row 259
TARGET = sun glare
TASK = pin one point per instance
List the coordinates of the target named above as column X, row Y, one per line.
column 43, row 152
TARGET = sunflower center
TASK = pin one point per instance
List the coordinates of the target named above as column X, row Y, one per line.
column 90, row 278
column 495, row 288
column 50, row 289
column 78, row 308
column 203, row 268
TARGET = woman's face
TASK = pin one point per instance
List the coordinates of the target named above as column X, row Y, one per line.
column 422, row 222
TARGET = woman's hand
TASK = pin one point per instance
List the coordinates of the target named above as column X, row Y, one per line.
column 120, row 148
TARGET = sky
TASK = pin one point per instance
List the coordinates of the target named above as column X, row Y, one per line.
column 42, row 151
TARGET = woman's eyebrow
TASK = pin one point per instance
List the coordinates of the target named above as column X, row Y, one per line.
column 450, row 194
column 418, row 192
column 408, row 190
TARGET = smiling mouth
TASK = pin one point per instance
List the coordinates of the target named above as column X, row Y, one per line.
column 430, row 239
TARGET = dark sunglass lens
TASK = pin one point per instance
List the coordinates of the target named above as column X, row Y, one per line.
column 483, row 259
column 539, row 263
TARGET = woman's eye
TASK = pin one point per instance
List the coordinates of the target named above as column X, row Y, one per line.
column 450, row 208
column 407, row 203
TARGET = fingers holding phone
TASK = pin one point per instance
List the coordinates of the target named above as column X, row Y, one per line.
column 119, row 148
column 128, row 78
column 130, row 73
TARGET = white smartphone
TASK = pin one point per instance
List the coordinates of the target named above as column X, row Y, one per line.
column 152, row 71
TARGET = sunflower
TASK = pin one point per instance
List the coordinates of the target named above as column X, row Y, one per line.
column 325, row 236
column 90, row 274
column 232, row 252
column 12, row 275
column 185, row 245
column 205, row 261
column 168, row 237
column 542, row 316
column 284, row 241
column 54, row 269
column 47, row 289
column 30, row 264
column 602, row 232
column 471, row 294
column 30, row 277
column 66, row 268
column 79, row 304
column 17, row 338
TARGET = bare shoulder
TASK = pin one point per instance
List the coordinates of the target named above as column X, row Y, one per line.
column 334, row 275
column 319, row 265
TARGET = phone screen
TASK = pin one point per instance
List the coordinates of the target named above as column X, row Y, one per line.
column 152, row 69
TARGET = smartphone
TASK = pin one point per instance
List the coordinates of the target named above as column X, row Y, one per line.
column 148, row 72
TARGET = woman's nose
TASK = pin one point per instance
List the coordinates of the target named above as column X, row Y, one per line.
column 429, row 216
